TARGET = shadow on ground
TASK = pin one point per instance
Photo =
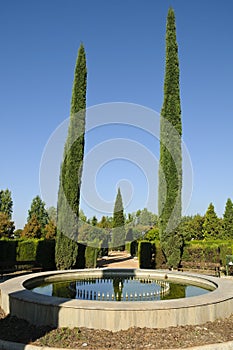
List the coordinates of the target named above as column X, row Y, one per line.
column 15, row 330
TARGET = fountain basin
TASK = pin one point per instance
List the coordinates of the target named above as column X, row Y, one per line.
column 40, row 309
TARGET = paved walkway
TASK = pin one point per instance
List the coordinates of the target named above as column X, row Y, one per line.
column 122, row 260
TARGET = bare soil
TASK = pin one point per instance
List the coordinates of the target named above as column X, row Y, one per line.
column 17, row 330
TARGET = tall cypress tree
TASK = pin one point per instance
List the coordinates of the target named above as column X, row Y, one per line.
column 118, row 234
column 71, row 171
column 170, row 167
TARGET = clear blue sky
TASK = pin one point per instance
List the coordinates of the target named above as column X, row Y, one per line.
column 125, row 46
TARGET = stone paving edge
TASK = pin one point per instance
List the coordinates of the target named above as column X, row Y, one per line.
column 7, row 345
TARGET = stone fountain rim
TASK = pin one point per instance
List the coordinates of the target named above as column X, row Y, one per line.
column 223, row 291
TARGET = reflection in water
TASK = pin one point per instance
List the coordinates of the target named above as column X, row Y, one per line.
column 118, row 284
column 119, row 289
column 59, row 289
column 176, row 291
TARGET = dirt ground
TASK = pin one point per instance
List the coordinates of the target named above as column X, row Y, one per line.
column 17, row 330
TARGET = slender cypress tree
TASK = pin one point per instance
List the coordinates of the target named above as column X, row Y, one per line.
column 118, row 234
column 170, row 167
column 71, row 171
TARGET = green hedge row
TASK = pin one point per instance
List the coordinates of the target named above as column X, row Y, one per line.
column 150, row 254
column 40, row 250
column 207, row 251
column 43, row 252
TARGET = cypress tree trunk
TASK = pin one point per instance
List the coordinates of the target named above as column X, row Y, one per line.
column 71, row 171
column 118, row 234
column 170, row 167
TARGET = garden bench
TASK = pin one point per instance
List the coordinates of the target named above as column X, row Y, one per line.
column 202, row 266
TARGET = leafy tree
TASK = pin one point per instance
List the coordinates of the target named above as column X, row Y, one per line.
column 105, row 222
column 118, row 234
column 6, row 203
column 50, row 230
column 152, row 234
column 82, row 216
column 66, row 251
column 52, row 213
column 6, row 225
column 89, row 233
column 18, row 233
column 227, row 232
column 33, row 228
column 94, row 221
column 147, row 218
column 192, row 227
column 38, row 210
column 211, row 225
column 170, row 166
column 129, row 236
column 129, row 218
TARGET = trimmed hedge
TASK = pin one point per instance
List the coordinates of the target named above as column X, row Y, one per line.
column 26, row 249
column 40, row 250
column 91, row 255
column 207, row 252
column 132, row 248
column 80, row 263
column 8, row 249
column 146, row 255
column 127, row 246
column 45, row 253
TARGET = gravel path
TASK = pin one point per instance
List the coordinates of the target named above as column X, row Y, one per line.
column 122, row 260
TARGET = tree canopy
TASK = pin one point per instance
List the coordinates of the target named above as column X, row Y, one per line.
column 6, row 203
column 38, row 210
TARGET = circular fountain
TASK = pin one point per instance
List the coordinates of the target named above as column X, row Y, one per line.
column 110, row 288
column 105, row 311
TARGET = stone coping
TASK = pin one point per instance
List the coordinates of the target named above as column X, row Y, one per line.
column 7, row 345
column 60, row 312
